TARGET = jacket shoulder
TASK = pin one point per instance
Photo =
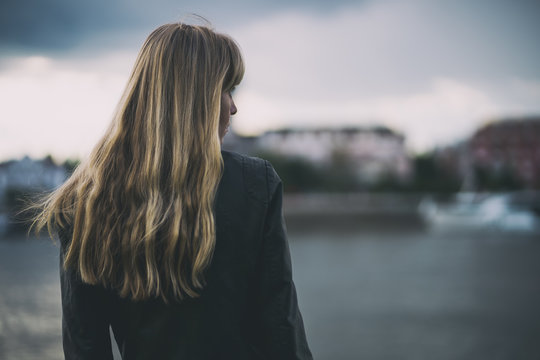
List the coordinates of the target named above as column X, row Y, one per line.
column 259, row 176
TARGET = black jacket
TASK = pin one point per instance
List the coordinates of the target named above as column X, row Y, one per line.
column 248, row 309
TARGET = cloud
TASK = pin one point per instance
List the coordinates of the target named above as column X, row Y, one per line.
column 380, row 48
column 434, row 70
column 59, row 25
column 447, row 111
column 49, row 106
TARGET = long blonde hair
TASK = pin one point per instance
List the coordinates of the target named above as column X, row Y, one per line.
column 140, row 209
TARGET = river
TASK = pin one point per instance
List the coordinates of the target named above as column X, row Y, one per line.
column 427, row 293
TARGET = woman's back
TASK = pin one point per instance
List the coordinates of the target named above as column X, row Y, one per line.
column 247, row 310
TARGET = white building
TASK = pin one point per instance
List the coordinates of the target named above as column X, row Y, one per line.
column 375, row 152
column 30, row 174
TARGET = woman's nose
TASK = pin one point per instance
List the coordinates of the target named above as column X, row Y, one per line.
column 233, row 109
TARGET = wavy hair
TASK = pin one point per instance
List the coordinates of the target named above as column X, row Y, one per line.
column 140, row 210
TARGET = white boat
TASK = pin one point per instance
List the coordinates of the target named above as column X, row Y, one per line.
column 481, row 211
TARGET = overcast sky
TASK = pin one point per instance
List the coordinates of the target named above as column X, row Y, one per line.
column 433, row 70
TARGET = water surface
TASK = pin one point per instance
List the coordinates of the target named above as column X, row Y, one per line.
column 426, row 294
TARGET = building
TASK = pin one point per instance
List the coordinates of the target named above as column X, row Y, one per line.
column 374, row 152
column 28, row 174
column 21, row 176
column 511, row 146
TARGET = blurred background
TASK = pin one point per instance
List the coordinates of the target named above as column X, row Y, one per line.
column 407, row 135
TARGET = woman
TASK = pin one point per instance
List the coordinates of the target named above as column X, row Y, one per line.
column 175, row 244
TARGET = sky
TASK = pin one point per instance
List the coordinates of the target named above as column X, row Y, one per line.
column 432, row 70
